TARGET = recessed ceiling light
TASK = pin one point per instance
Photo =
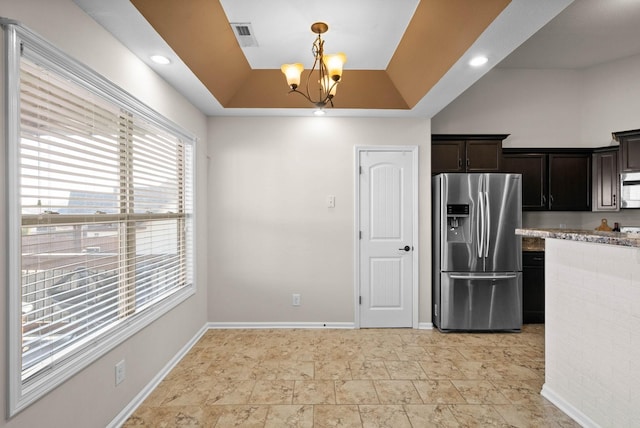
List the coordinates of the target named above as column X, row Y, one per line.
column 478, row 61
column 160, row 59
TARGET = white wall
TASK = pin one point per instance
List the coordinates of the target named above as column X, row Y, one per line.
column 611, row 100
column 552, row 108
column 592, row 332
column 538, row 108
column 90, row 398
column 270, row 231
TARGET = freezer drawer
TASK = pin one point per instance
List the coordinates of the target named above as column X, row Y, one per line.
column 483, row 302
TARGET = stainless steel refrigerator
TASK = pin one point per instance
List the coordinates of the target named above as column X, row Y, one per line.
column 477, row 257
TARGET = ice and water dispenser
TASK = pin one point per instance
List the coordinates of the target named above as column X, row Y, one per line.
column 457, row 222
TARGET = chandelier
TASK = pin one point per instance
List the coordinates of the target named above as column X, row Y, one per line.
column 327, row 68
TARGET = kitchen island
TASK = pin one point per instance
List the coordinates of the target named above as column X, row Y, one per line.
column 592, row 325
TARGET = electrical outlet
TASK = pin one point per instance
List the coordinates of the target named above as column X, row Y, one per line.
column 295, row 299
column 120, row 372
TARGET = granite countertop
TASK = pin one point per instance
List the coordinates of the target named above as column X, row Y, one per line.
column 594, row 236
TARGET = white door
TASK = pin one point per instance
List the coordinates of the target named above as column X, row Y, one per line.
column 386, row 244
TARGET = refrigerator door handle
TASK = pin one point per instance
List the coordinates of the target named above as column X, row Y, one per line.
column 480, row 225
column 487, row 214
column 483, row 276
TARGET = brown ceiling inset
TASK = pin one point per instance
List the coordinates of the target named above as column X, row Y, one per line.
column 359, row 89
column 199, row 32
column 438, row 34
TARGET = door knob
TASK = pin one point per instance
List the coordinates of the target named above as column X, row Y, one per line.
column 406, row 248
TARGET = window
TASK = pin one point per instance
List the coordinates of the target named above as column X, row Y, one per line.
column 101, row 215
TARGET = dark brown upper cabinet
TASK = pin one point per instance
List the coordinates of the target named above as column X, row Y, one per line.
column 570, row 182
column 552, row 179
column 605, row 180
column 466, row 152
column 533, row 167
column 629, row 150
column 447, row 156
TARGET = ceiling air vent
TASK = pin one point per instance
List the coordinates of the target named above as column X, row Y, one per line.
column 244, row 34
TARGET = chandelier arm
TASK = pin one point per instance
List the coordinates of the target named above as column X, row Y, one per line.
column 309, row 77
column 334, row 83
column 318, row 104
column 323, row 91
column 318, row 52
column 303, row 94
column 314, row 49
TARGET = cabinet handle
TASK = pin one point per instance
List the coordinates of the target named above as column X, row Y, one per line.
column 468, row 162
column 459, row 163
column 544, row 200
column 550, row 201
column 614, row 200
column 538, row 259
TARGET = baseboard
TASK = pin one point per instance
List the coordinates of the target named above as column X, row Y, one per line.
column 277, row 325
column 567, row 408
column 425, row 326
column 122, row 417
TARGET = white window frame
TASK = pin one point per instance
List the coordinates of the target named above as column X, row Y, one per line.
column 22, row 394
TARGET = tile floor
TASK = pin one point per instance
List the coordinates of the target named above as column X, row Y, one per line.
column 356, row 378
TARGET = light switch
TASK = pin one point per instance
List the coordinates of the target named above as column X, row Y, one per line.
column 331, row 201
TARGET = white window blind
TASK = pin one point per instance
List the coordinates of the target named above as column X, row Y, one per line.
column 105, row 206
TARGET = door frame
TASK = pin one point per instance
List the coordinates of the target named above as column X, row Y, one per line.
column 414, row 151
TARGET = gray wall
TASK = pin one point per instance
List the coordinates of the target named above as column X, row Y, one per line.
column 90, row 398
column 552, row 108
column 270, row 231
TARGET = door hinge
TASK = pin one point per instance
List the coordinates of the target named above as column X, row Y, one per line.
column 360, row 300
column 21, row 48
column 360, row 170
column 360, row 234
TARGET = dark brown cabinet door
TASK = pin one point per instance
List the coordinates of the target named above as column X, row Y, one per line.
column 533, row 287
column 447, row 156
column 466, row 152
column 630, row 151
column 484, row 156
column 533, row 167
column 570, row 182
column 605, row 180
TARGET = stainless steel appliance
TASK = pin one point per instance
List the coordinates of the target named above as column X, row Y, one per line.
column 477, row 257
column 630, row 190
